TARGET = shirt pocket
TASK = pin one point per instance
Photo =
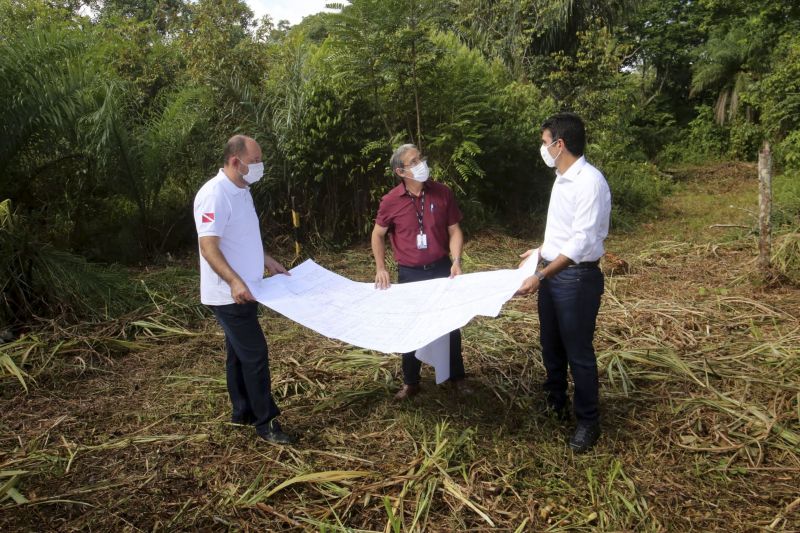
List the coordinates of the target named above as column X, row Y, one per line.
column 437, row 210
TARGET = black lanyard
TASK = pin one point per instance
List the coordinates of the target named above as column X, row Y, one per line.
column 420, row 213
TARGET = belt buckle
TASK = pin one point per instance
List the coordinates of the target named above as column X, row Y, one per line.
column 428, row 267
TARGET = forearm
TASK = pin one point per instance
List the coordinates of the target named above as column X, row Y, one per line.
column 557, row 265
column 456, row 244
column 378, row 250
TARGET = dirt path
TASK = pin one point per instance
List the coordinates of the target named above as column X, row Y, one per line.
column 700, row 369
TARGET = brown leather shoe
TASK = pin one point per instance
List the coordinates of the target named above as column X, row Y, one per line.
column 406, row 392
column 463, row 388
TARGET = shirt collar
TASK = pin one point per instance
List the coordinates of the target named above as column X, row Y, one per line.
column 400, row 189
column 422, row 191
column 572, row 171
column 230, row 187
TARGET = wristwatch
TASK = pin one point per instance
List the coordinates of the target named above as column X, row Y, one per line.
column 540, row 274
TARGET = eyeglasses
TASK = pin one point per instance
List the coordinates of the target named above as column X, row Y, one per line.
column 414, row 162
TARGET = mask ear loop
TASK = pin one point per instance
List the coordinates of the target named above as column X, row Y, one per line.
column 240, row 162
column 560, row 151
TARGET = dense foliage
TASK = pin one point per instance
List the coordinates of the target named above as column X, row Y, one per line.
column 111, row 120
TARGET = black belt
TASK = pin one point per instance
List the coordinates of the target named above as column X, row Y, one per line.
column 430, row 266
column 545, row 262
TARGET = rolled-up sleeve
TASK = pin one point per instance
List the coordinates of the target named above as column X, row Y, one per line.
column 384, row 217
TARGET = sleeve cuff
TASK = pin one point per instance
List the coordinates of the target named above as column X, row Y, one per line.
column 572, row 252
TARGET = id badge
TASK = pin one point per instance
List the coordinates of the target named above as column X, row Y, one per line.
column 422, row 241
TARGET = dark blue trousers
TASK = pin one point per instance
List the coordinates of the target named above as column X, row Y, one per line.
column 412, row 365
column 568, row 306
column 247, row 366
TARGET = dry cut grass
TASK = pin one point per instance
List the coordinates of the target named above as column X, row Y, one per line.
column 123, row 426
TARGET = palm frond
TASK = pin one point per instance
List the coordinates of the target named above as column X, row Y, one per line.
column 43, row 78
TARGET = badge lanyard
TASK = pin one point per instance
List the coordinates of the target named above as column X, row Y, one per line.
column 422, row 239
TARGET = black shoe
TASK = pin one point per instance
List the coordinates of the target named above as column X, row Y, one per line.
column 275, row 434
column 586, row 435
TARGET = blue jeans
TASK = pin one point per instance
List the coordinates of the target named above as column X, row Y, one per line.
column 412, row 365
column 568, row 306
column 247, row 366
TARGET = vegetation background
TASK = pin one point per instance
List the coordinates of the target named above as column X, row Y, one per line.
column 110, row 122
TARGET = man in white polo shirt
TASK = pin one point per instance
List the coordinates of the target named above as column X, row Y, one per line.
column 570, row 282
column 231, row 257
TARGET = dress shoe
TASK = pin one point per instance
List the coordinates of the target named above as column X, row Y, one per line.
column 274, row 433
column 586, row 435
column 462, row 387
column 406, row 392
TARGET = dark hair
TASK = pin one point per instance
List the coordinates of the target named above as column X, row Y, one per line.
column 569, row 128
column 236, row 146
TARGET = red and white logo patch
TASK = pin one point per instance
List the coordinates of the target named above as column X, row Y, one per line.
column 207, row 217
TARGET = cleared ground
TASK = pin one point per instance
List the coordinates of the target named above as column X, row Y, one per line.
column 124, row 425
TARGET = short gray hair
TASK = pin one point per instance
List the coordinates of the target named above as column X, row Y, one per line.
column 397, row 157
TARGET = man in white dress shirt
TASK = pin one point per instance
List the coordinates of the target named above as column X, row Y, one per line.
column 569, row 281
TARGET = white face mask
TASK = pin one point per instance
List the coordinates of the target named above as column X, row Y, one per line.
column 548, row 159
column 254, row 172
column 420, row 171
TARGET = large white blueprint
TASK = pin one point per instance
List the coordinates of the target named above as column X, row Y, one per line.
column 437, row 354
column 401, row 319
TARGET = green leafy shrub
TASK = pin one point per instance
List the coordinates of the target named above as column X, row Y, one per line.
column 745, row 140
column 787, row 151
column 39, row 280
column 704, row 140
column 636, row 191
column 786, row 199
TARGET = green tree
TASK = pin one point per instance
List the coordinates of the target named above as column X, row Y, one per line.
column 165, row 16
column 219, row 42
column 777, row 96
column 362, row 54
column 141, row 156
column 737, row 52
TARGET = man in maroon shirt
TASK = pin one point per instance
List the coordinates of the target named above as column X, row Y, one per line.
column 421, row 218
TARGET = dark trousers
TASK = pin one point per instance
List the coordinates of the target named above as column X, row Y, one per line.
column 568, row 306
column 412, row 365
column 247, row 366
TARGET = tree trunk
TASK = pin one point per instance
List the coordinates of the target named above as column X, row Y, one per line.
column 765, row 206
